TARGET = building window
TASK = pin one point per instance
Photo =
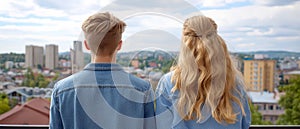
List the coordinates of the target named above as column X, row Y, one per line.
column 278, row 107
column 271, row 107
column 258, row 107
column 271, row 118
column 255, row 74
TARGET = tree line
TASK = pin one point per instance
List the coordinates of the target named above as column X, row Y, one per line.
column 12, row 57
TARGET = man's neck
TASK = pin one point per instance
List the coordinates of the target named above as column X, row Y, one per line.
column 104, row 59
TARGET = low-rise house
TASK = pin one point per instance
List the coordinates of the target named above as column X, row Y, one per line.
column 23, row 94
column 290, row 75
column 7, row 86
column 267, row 104
column 288, row 64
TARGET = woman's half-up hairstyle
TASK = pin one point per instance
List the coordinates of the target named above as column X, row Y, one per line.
column 205, row 76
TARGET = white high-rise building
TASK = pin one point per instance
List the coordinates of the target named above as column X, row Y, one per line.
column 9, row 64
column 51, row 57
column 34, row 56
column 77, row 57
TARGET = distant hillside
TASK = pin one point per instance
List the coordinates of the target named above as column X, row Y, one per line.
column 66, row 55
column 274, row 54
column 271, row 54
column 12, row 57
column 155, row 53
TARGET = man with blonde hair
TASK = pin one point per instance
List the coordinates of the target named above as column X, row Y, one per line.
column 102, row 95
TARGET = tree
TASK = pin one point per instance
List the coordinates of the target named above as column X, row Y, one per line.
column 12, row 57
column 256, row 117
column 291, row 103
column 29, row 78
column 40, row 67
column 2, row 66
column 4, row 103
column 166, row 65
column 39, row 79
column 43, row 83
column 32, row 81
column 56, row 76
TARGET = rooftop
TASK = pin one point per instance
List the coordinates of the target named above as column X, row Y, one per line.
column 33, row 112
column 295, row 72
column 263, row 97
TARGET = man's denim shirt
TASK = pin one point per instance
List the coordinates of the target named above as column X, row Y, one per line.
column 104, row 96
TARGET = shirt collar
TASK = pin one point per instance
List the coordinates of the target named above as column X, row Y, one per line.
column 103, row 67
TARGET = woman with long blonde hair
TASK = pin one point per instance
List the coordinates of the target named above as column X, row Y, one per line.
column 204, row 90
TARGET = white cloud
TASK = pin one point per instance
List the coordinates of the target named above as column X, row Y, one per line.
column 151, row 39
column 149, row 22
column 275, row 2
column 214, row 3
column 73, row 6
column 180, row 9
column 257, row 32
column 245, row 45
column 255, row 15
column 56, row 28
column 25, row 22
column 265, row 26
column 262, row 25
column 25, row 8
column 288, row 38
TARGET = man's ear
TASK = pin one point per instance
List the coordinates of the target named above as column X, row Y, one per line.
column 119, row 45
column 86, row 45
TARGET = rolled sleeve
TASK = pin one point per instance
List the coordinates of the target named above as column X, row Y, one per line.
column 55, row 117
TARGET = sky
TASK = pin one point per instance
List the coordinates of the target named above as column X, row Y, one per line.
column 245, row 25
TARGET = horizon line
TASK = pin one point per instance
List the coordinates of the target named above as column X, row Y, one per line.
column 174, row 51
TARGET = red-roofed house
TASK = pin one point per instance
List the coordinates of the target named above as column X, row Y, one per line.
column 33, row 112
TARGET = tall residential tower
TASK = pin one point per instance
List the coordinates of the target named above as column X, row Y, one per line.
column 260, row 75
column 51, row 57
column 77, row 57
column 34, row 56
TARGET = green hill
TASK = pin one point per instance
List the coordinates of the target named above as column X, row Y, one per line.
column 12, row 57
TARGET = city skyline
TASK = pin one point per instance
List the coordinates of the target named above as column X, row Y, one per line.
column 251, row 52
column 246, row 25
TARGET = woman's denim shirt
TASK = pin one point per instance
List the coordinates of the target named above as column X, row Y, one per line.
column 102, row 96
column 167, row 116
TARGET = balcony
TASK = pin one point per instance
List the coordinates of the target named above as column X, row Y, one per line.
column 252, row 127
column 24, row 127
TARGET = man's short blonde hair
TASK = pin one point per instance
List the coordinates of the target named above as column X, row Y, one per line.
column 103, row 32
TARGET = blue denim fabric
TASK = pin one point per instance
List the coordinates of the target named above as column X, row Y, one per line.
column 102, row 96
column 167, row 116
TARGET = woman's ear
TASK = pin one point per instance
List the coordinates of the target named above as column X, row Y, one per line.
column 86, row 45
